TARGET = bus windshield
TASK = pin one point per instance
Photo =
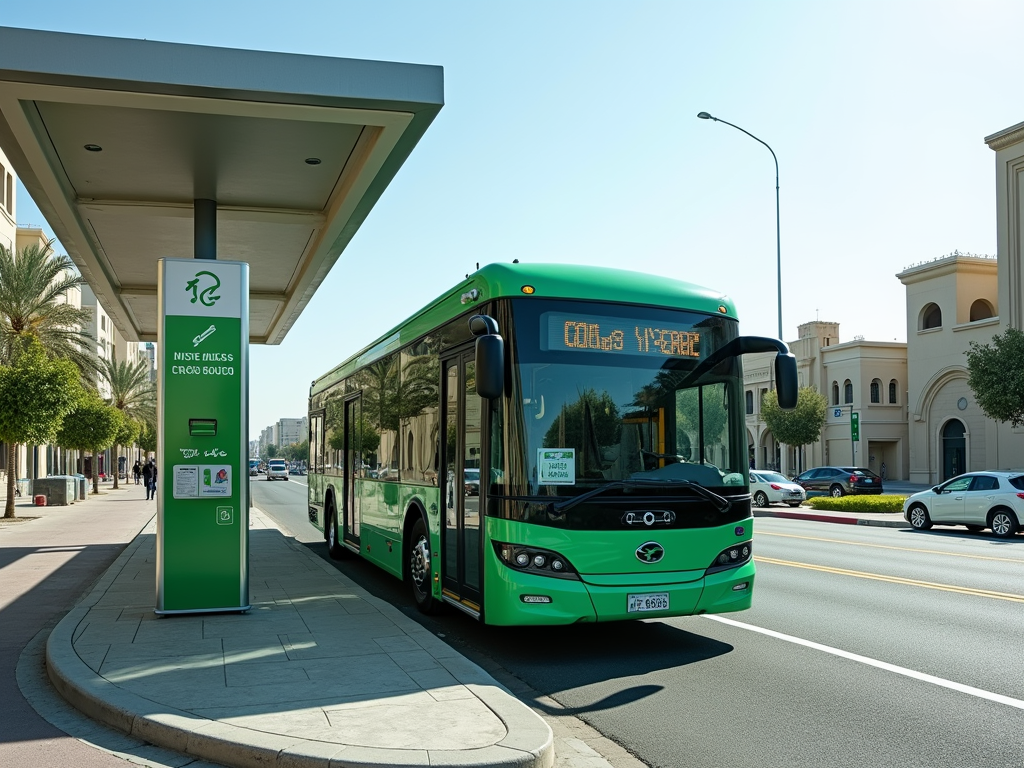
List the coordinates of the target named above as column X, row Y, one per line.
column 607, row 395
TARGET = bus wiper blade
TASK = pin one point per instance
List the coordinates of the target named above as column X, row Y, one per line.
column 721, row 503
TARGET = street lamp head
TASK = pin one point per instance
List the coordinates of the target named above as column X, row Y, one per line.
column 704, row 116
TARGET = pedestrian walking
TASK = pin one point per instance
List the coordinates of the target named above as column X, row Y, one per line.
column 149, row 477
column 137, row 472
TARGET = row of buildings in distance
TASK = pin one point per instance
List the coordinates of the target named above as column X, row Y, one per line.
column 283, row 433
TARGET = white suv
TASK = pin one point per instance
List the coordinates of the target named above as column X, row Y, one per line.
column 978, row 500
column 277, row 468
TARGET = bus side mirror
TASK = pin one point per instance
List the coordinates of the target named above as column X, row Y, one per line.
column 490, row 357
column 490, row 366
column 786, row 380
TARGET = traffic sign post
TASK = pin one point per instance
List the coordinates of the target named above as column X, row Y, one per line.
column 202, row 558
column 854, row 433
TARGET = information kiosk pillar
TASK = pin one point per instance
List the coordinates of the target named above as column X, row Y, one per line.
column 202, row 560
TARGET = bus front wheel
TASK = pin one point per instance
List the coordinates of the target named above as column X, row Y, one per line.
column 420, row 568
column 334, row 547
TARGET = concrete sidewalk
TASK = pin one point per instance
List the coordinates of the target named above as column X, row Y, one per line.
column 319, row 673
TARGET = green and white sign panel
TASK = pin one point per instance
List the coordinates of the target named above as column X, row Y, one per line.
column 202, row 560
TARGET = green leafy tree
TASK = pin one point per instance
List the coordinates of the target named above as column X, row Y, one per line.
column 300, row 451
column 33, row 291
column 272, row 451
column 147, row 438
column 92, row 425
column 800, row 426
column 132, row 393
column 36, row 394
column 996, row 376
column 127, row 434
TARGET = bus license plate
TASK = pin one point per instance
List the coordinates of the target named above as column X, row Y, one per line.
column 657, row 601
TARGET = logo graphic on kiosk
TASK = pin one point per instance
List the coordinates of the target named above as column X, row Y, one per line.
column 206, row 296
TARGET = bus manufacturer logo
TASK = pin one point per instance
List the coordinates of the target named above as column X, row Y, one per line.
column 650, row 552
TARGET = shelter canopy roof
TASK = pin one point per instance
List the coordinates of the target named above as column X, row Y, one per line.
column 175, row 123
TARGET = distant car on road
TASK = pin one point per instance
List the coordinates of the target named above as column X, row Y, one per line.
column 472, row 480
column 978, row 500
column 277, row 469
column 772, row 488
column 839, row 481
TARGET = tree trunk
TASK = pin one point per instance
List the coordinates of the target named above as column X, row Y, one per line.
column 95, row 471
column 117, row 466
column 12, row 451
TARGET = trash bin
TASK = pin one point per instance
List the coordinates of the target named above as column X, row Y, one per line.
column 57, row 490
column 83, row 486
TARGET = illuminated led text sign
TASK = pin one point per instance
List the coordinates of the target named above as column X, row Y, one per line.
column 616, row 335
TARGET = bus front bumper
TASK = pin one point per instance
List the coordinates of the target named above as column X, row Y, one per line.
column 539, row 600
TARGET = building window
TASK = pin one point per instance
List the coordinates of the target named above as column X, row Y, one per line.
column 876, row 391
column 892, row 392
column 750, row 401
column 981, row 310
column 931, row 317
column 848, row 392
column 835, row 393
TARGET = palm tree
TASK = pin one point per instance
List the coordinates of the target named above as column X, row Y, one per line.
column 131, row 392
column 33, row 290
column 32, row 286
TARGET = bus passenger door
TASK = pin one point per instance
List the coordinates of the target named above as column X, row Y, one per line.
column 352, row 462
column 315, row 473
column 464, row 484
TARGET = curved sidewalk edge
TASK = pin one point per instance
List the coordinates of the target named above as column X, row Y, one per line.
column 527, row 743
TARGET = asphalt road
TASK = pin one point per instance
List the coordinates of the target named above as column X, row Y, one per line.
column 866, row 647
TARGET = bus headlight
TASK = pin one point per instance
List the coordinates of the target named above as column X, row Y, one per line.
column 541, row 562
column 731, row 558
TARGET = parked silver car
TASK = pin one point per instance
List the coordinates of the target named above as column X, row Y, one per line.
column 977, row 500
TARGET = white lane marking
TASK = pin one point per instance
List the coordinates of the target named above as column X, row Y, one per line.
column 969, row 690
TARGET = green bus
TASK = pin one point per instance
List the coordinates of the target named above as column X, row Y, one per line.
column 548, row 444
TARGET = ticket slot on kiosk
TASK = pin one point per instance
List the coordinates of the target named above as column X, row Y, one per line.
column 202, row 427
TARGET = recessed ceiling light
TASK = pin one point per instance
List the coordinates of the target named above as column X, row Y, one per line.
column 93, row 148
column 312, row 161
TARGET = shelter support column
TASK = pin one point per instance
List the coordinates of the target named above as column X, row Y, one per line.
column 205, row 215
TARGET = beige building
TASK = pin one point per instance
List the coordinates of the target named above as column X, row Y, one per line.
column 865, row 377
column 951, row 302
column 918, row 416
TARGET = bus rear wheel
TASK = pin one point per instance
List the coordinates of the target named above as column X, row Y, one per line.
column 419, row 574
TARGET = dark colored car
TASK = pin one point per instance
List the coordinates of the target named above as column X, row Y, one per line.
column 839, row 481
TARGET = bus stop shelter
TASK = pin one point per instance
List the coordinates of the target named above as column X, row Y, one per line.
column 137, row 150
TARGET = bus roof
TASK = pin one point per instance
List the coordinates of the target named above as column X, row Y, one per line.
column 563, row 281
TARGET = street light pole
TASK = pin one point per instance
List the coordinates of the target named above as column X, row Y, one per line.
column 778, row 237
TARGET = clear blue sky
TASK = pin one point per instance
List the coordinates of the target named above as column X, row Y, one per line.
column 570, row 134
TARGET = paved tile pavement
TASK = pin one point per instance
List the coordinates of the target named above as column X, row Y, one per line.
column 318, row 673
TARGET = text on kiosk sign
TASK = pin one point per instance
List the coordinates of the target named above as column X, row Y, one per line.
column 617, row 335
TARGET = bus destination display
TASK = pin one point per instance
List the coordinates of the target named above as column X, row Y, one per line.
column 617, row 335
